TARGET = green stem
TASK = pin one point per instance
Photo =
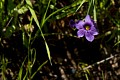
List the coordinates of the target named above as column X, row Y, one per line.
column 89, row 7
column 44, row 16
column 94, row 11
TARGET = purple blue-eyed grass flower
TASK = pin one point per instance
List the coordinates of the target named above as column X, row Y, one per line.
column 85, row 28
column 72, row 23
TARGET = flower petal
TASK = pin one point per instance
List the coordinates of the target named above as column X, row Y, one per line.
column 93, row 31
column 93, row 28
column 80, row 24
column 89, row 36
column 88, row 20
column 72, row 23
column 81, row 32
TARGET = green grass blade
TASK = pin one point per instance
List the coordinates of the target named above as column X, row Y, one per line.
column 83, row 1
column 90, row 3
column 21, row 70
column 116, row 43
column 94, row 11
column 36, row 20
column 38, row 69
column 76, row 3
column 44, row 16
column 33, row 56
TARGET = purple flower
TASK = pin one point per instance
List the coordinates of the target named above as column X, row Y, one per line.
column 86, row 27
column 72, row 23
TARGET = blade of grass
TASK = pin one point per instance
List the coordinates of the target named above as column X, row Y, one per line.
column 76, row 3
column 94, row 11
column 4, row 62
column 21, row 70
column 38, row 69
column 44, row 16
column 33, row 56
column 89, row 7
column 103, row 75
column 116, row 43
column 36, row 20
column 83, row 1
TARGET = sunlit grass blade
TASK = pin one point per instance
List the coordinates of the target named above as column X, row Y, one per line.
column 33, row 56
column 3, row 67
column 36, row 20
column 44, row 16
column 94, row 11
column 74, row 4
column 83, row 1
column 21, row 70
column 90, row 3
column 38, row 69
column 103, row 75
column 117, row 43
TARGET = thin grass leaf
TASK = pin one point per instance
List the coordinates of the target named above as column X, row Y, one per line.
column 86, row 76
column 76, row 3
column 24, row 38
column 36, row 20
column 38, row 69
column 94, row 11
column 21, row 70
column 44, row 16
column 4, row 63
column 89, row 7
column 34, row 56
column 25, row 77
column 103, row 75
column 116, row 43
column 83, row 1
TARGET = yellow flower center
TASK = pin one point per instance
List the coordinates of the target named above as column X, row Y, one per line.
column 87, row 27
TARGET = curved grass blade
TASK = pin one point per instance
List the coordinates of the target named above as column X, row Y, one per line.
column 38, row 69
column 83, row 1
column 76, row 3
column 90, row 3
column 116, row 43
column 94, row 11
column 33, row 56
column 44, row 16
column 21, row 70
column 36, row 20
